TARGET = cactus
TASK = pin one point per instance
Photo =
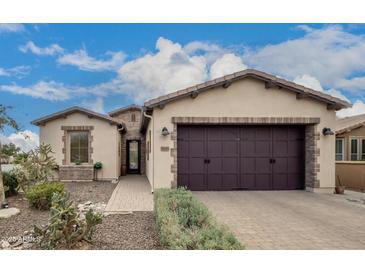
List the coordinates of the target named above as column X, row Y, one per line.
column 66, row 228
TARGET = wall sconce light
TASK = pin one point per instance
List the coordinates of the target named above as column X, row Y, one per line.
column 327, row 131
column 165, row 131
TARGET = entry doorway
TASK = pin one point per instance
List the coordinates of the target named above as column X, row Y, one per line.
column 133, row 156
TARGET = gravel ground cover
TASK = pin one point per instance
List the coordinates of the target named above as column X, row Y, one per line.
column 127, row 231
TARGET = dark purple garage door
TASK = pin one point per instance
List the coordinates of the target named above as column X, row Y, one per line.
column 240, row 157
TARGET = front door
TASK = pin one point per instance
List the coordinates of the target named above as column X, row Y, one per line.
column 133, row 156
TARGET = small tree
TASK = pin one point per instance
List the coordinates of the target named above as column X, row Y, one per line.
column 9, row 150
column 5, row 121
column 36, row 167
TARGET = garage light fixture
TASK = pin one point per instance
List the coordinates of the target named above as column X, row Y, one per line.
column 165, row 131
column 327, row 131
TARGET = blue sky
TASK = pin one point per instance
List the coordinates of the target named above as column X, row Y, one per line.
column 47, row 67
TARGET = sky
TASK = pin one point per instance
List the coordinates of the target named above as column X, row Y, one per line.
column 45, row 68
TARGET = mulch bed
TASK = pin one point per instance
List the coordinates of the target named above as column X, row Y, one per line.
column 129, row 231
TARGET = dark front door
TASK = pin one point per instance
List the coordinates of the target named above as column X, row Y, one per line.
column 240, row 157
column 133, row 156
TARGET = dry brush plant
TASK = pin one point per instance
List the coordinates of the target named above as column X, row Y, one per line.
column 66, row 227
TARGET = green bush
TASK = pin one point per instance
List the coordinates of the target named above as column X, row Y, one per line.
column 40, row 196
column 10, row 184
column 185, row 223
column 66, row 227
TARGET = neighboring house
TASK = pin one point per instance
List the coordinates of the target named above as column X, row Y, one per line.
column 350, row 151
column 247, row 130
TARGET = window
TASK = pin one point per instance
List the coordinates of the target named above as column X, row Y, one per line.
column 133, row 117
column 357, row 149
column 79, row 146
column 339, row 149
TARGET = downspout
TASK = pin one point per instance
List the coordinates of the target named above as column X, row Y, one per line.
column 153, row 149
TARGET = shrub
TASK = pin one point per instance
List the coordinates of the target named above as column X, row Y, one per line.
column 185, row 223
column 36, row 166
column 40, row 196
column 66, row 228
column 10, row 184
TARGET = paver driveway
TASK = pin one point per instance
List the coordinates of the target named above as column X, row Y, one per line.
column 289, row 219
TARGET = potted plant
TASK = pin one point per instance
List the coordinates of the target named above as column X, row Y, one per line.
column 97, row 166
column 339, row 189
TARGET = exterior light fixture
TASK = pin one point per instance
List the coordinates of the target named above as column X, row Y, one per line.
column 327, row 131
column 165, row 131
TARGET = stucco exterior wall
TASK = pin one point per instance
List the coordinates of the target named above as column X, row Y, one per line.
column 351, row 174
column 105, row 139
column 244, row 98
column 358, row 132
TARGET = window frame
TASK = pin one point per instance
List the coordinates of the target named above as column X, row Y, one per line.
column 74, row 162
column 360, row 153
column 342, row 147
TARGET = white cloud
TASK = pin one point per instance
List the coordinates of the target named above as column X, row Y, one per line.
column 308, row 81
column 52, row 91
column 227, row 64
column 169, row 69
column 18, row 71
column 328, row 53
column 11, row 28
column 313, row 83
column 357, row 108
column 50, row 50
column 26, row 140
column 356, row 84
column 96, row 105
column 83, row 61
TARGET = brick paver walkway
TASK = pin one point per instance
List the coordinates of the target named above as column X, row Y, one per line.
column 289, row 219
column 133, row 193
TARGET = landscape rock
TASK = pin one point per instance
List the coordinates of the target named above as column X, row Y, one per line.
column 8, row 212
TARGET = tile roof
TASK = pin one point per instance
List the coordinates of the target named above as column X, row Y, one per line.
column 119, row 110
column 269, row 79
column 71, row 110
column 349, row 123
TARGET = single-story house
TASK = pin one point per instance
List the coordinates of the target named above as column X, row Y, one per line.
column 350, row 151
column 245, row 131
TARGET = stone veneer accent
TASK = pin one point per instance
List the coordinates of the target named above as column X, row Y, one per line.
column 133, row 133
column 64, row 140
column 76, row 173
column 311, row 139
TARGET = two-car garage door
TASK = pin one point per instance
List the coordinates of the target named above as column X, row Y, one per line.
column 240, row 157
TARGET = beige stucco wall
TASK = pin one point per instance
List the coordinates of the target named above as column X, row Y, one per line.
column 244, row 98
column 351, row 174
column 105, row 142
column 358, row 132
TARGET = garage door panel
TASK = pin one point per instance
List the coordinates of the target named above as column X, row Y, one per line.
column 280, row 148
column 263, row 181
column 248, row 165
column 214, row 148
column 184, row 180
column 214, row 181
column 183, row 165
column 296, row 180
column 197, row 182
column 230, row 181
column 197, row 149
column 262, row 148
column 281, row 165
column 247, row 181
column 196, row 166
column 247, row 157
column 196, row 133
column 183, row 148
column 215, row 165
column 229, row 148
column 280, row 181
column 230, row 165
column 263, row 165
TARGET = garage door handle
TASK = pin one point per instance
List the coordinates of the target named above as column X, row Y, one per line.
column 272, row 161
column 206, row 161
